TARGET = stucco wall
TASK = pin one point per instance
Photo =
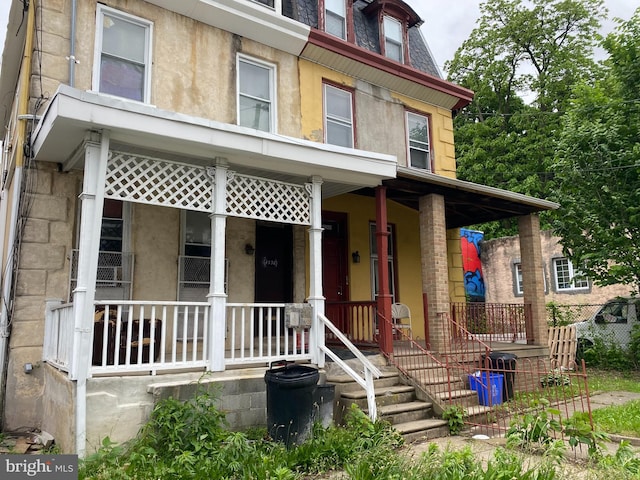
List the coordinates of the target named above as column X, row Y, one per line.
column 380, row 123
column 58, row 416
column 193, row 65
column 498, row 259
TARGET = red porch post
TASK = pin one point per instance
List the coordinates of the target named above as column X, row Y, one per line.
column 384, row 295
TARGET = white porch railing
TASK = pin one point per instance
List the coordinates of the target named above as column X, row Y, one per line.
column 58, row 335
column 256, row 333
column 369, row 369
column 150, row 336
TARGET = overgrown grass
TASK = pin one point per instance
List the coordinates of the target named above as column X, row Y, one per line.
column 619, row 419
column 611, row 381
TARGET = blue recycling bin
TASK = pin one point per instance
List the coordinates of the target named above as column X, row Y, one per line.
column 488, row 386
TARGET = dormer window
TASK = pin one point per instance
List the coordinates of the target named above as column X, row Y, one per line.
column 393, row 36
column 335, row 15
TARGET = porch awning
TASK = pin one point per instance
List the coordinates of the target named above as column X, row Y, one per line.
column 72, row 113
column 466, row 203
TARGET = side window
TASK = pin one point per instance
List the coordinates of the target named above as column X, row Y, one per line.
column 518, row 284
column 114, row 275
column 122, row 60
column 393, row 39
column 568, row 279
column 256, row 94
column 335, row 18
column 338, row 116
column 418, row 141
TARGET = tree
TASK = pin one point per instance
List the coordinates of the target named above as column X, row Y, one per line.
column 598, row 167
column 534, row 50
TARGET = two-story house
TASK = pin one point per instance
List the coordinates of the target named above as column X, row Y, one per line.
column 202, row 185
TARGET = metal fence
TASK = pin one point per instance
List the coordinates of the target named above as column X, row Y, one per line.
column 611, row 324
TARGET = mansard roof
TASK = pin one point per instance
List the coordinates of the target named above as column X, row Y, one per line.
column 366, row 27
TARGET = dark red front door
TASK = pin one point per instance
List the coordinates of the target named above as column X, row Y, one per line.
column 334, row 257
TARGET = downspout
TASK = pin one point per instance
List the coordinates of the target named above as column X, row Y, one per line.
column 21, row 134
column 72, row 44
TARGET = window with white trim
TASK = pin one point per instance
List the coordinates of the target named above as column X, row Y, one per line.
column 567, row 278
column 122, row 61
column 418, row 141
column 393, row 35
column 338, row 116
column 335, row 18
column 517, row 273
column 256, row 94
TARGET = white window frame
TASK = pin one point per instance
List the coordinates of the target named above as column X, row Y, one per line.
column 275, row 5
column 101, row 12
column 575, row 284
column 327, row 118
column 387, row 20
column 271, row 69
column 341, row 15
column 424, row 148
column 519, row 284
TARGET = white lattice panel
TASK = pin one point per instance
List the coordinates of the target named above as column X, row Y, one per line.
column 261, row 199
column 136, row 178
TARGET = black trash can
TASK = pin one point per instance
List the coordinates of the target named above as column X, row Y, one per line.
column 291, row 394
column 324, row 397
column 504, row 363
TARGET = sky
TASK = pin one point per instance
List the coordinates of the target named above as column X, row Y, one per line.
column 447, row 23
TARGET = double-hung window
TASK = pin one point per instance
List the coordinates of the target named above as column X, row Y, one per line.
column 335, row 18
column 338, row 116
column 256, row 94
column 393, row 39
column 567, row 278
column 419, row 144
column 122, row 64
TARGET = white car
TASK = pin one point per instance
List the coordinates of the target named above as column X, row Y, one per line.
column 612, row 323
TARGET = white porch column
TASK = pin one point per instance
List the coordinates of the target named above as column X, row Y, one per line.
column 217, row 296
column 316, row 297
column 95, row 168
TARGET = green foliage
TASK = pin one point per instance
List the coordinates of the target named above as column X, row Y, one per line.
column 580, row 432
column 620, row 419
column 606, row 354
column 597, row 167
column 454, row 415
column 539, row 49
column 610, row 381
column 189, row 440
column 534, row 431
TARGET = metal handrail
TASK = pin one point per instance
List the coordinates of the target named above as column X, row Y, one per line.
column 370, row 370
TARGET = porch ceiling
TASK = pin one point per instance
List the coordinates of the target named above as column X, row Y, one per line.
column 170, row 135
column 466, row 203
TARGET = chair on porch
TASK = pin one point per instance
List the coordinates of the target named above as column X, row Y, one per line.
column 400, row 312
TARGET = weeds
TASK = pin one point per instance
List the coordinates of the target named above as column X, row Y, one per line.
column 454, row 415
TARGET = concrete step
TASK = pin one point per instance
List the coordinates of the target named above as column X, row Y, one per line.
column 384, row 395
column 463, row 397
column 406, row 412
column 344, row 383
column 423, row 429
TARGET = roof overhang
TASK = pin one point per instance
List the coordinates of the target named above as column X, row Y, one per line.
column 359, row 62
column 248, row 19
column 466, row 203
column 73, row 113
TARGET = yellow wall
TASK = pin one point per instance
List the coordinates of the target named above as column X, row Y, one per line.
column 361, row 211
column 379, row 117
